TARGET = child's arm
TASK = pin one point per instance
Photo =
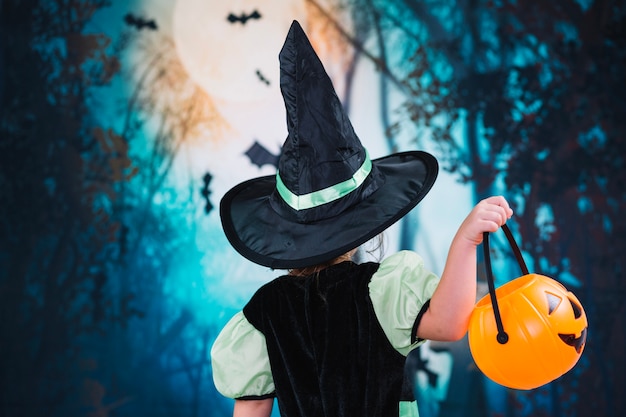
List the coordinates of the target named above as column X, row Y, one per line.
column 452, row 303
column 253, row 408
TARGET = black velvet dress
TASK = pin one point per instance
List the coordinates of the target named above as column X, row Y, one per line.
column 329, row 355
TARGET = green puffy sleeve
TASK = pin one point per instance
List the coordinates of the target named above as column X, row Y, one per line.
column 399, row 290
column 241, row 367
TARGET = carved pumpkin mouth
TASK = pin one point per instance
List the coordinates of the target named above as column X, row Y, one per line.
column 576, row 342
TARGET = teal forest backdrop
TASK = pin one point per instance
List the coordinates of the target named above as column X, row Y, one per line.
column 122, row 123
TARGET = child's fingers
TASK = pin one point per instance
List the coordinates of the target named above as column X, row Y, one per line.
column 500, row 205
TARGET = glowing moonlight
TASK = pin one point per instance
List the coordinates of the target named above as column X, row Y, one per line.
column 234, row 59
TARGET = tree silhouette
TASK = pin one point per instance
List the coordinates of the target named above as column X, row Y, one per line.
column 57, row 177
column 165, row 111
column 86, row 253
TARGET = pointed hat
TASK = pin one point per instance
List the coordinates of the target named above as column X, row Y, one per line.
column 328, row 197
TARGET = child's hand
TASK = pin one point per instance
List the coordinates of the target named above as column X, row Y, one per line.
column 486, row 216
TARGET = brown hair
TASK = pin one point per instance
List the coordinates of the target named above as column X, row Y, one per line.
column 300, row 272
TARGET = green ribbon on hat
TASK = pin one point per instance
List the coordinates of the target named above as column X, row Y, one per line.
column 326, row 195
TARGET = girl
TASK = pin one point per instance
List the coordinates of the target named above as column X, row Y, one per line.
column 330, row 337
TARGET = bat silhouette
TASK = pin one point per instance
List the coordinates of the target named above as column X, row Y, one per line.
column 260, row 156
column 205, row 192
column 431, row 375
column 243, row 18
column 139, row 22
column 262, row 77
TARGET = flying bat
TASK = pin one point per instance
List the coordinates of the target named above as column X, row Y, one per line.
column 139, row 22
column 260, row 156
column 262, row 78
column 432, row 376
column 243, row 18
column 205, row 191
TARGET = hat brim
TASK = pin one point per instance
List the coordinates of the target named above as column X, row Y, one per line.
column 258, row 233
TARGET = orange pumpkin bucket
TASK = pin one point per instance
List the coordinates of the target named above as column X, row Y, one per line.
column 527, row 332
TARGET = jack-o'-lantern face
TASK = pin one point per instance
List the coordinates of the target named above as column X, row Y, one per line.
column 567, row 315
column 546, row 327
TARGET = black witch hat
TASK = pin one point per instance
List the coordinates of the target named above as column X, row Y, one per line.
column 328, row 197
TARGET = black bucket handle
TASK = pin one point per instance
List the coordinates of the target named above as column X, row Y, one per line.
column 502, row 336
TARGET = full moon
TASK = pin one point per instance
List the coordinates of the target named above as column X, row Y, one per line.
column 230, row 48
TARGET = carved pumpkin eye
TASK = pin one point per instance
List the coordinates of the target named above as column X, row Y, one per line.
column 553, row 302
column 577, row 309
